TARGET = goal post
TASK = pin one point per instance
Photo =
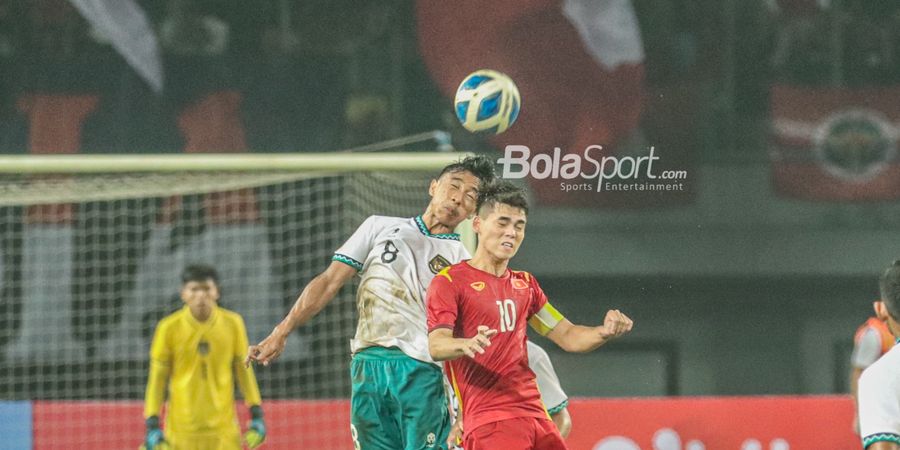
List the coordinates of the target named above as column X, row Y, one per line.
column 91, row 248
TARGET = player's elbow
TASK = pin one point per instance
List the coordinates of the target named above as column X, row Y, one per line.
column 433, row 349
column 436, row 345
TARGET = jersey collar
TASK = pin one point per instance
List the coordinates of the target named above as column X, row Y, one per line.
column 197, row 324
column 424, row 230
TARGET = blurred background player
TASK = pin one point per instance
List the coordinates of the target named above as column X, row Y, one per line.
column 879, row 385
column 482, row 298
column 553, row 397
column 872, row 339
column 198, row 352
column 397, row 399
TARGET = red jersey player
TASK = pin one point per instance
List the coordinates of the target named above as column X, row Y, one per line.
column 477, row 311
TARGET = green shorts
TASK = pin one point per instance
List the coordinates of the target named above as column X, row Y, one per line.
column 397, row 403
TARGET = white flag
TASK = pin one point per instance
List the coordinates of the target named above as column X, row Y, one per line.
column 609, row 30
column 125, row 25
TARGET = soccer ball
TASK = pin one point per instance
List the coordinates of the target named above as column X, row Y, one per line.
column 487, row 102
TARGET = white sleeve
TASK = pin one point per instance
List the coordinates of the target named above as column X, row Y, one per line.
column 552, row 394
column 357, row 248
column 879, row 405
column 867, row 349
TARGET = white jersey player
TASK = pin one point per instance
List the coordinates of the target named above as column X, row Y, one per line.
column 397, row 398
column 879, row 385
column 879, row 402
column 396, row 258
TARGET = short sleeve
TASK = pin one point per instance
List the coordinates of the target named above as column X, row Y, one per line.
column 542, row 316
column 866, row 349
column 357, row 247
column 160, row 350
column 538, row 298
column 441, row 298
column 552, row 394
column 879, row 406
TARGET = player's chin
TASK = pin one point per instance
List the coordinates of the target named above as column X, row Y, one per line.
column 451, row 219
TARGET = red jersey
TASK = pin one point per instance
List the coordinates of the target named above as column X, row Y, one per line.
column 498, row 384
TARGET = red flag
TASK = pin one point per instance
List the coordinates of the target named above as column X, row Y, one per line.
column 835, row 144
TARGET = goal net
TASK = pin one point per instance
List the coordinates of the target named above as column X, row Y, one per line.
column 91, row 249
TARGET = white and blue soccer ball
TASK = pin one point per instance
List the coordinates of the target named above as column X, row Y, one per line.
column 487, row 102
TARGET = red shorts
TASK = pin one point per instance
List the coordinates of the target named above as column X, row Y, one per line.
column 521, row 433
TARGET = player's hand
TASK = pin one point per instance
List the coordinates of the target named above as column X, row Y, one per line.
column 256, row 429
column 154, row 439
column 267, row 350
column 615, row 324
column 454, row 439
column 477, row 343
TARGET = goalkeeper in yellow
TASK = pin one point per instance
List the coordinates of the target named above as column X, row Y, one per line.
column 197, row 352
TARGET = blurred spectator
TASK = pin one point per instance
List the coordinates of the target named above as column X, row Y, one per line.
column 194, row 44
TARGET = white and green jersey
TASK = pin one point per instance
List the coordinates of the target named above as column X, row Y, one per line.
column 396, row 259
column 879, row 400
column 552, row 394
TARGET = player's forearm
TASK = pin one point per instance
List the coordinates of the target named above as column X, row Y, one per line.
column 156, row 388
column 247, row 384
column 315, row 296
column 444, row 348
column 563, row 422
column 580, row 339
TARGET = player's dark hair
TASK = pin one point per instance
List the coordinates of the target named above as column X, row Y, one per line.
column 501, row 192
column 479, row 165
column 889, row 284
column 199, row 273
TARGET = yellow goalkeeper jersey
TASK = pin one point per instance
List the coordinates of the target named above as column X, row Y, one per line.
column 199, row 362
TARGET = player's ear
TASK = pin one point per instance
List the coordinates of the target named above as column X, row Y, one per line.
column 880, row 309
column 476, row 223
column 432, row 187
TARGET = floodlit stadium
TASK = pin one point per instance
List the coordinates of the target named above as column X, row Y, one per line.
column 723, row 174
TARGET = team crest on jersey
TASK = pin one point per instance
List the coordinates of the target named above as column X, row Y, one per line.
column 478, row 285
column 203, row 348
column 520, row 284
column 437, row 264
column 430, row 440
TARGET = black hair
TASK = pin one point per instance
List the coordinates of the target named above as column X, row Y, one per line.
column 199, row 273
column 504, row 192
column 889, row 284
column 479, row 165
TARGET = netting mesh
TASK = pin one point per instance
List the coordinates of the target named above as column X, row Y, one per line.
column 84, row 284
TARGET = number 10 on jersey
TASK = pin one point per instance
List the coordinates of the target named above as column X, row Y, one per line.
column 507, row 311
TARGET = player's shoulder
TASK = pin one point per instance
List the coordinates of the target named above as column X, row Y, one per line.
column 377, row 221
column 174, row 316
column 884, row 370
column 872, row 323
column 171, row 320
column 455, row 272
column 521, row 275
column 230, row 316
